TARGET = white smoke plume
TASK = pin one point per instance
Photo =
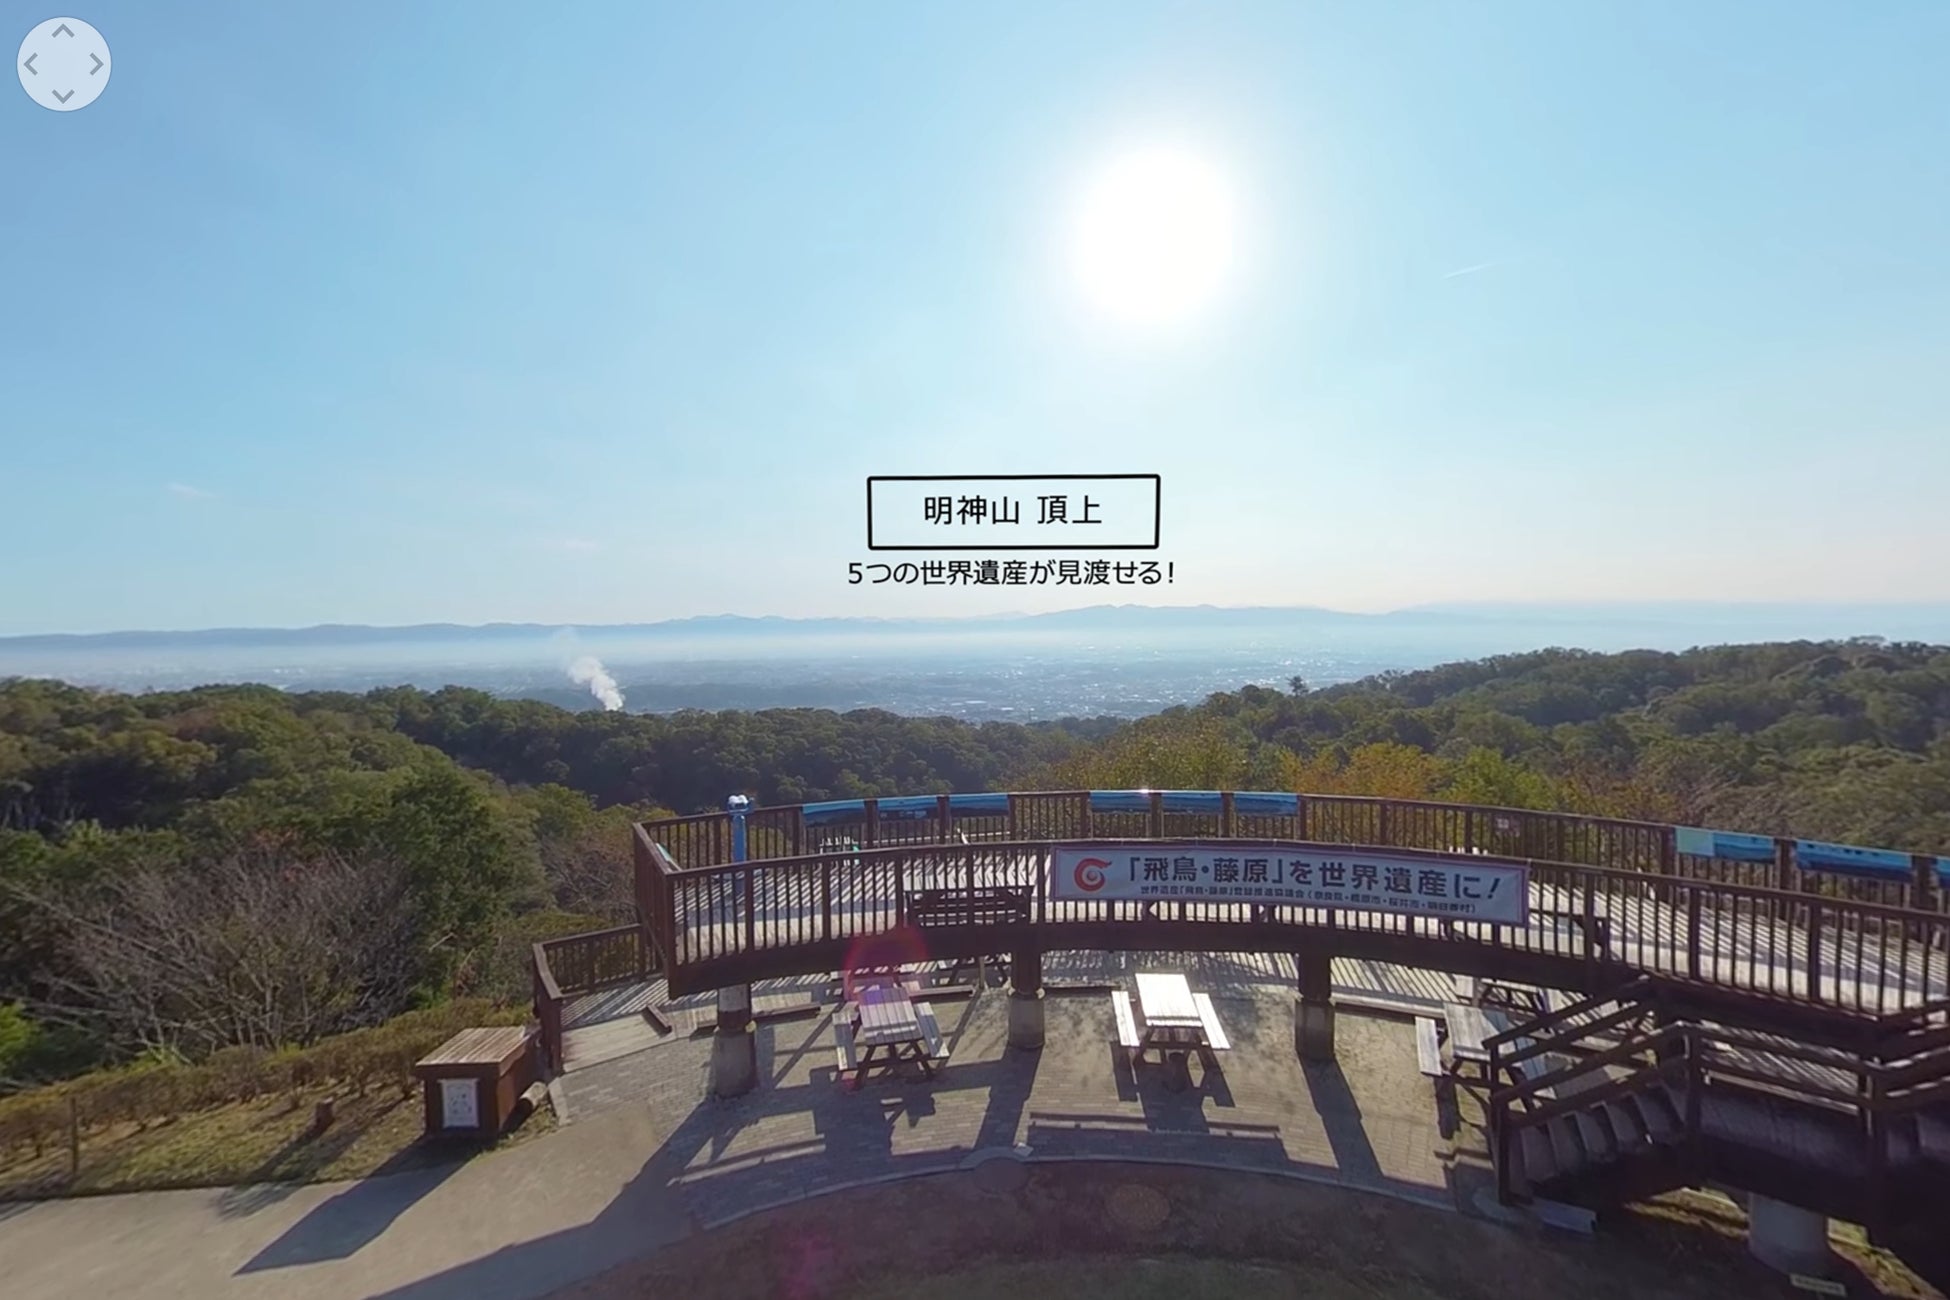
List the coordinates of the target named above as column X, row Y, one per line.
column 589, row 671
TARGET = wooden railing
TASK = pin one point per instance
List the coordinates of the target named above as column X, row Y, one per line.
column 704, row 840
column 584, row 963
column 548, row 1009
column 568, row 967
column 1612, row 923
column 1697, row 1059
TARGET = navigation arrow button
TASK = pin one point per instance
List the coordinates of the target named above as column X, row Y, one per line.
column 50, row 64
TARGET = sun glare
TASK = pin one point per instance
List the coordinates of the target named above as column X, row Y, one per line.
column 1151, row 240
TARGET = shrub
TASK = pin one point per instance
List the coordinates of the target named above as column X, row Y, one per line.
column 160, row 1087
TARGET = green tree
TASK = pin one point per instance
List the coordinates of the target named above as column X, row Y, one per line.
column 1490, row 779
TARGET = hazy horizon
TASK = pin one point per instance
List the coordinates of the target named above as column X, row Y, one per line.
column 1103, row 660
column 1759, row 616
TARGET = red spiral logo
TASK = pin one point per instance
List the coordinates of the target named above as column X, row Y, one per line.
column 1090, row 874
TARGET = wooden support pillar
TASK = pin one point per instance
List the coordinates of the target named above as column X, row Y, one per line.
column 1026, row 995
column 734, row 1047
column 1313, row 1010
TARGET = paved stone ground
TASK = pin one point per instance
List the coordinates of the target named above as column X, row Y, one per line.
column 1367, row 1119
column 651, row 1158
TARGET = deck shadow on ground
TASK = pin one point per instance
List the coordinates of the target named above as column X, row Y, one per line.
column 1340, row 1115
column 354, row 1218
column 265, row 1187
column 697, row 1178
column 692, row 1180
column 668, row 1198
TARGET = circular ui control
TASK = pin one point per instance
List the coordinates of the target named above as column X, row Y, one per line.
column 63, row 65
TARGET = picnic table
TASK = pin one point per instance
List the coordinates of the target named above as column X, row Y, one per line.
column 882, row 1027
column 1170, row 1019
column 1469, row 1026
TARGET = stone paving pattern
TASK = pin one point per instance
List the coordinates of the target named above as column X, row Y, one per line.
column 1367, row 1119
column 650, row 1157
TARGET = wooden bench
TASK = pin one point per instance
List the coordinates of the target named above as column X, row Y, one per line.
column 1599, row 931
column 949, row 907
column 1127, row 1033
column 1530, row 1003
column 1215, row 1036
column 844, row 1052
column 931, row 1032
column 1428, row 1053
column 1530, row 1069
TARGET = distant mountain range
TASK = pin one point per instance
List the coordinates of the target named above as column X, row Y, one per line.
column 1921, row 621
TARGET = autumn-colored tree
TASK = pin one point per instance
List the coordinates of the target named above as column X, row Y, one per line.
column 1384, row 770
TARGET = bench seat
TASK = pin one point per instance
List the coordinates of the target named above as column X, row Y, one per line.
column 1428, row 1052
column 845, row 1053
column 937, row 1047
column 949, row 907
column 1127, row 1033
column 1215, row 1035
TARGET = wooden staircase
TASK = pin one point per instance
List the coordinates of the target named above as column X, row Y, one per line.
column 1616, row 1098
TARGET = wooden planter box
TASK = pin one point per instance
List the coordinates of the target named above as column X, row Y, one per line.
column 474, row 1079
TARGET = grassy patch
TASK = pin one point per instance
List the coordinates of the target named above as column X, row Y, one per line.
column 1696, row 1222
column 267, row 1140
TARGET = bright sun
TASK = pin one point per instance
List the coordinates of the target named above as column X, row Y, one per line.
column 1152, row 238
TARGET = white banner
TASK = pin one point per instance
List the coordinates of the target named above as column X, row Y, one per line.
column 1465, row 889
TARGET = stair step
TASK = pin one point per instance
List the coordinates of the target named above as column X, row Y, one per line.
column 1598, row 1145
column 1539, row 1161
column 1627, row 1130
column 1661, row 1119
column 1933, row 1137
column 1566, row 1151
column 1519, row 1171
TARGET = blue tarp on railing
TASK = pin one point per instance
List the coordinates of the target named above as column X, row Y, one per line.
column 1199, row 801
column 991, row 804
column 1845, row 859
column 1261, row 803
column 837, row 810
column 1809, row 855
column 1728, row 846
column 1692, row 841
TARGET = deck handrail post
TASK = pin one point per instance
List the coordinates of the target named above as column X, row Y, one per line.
column 1814, row 948
column 1692, row 929
column 738, row 806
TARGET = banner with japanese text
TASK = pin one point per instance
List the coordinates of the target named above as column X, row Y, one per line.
column 1465, row 890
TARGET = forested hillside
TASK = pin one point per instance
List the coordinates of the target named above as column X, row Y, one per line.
column 186, row 871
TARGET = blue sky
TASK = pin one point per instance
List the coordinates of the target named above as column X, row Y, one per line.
column 467, row 312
